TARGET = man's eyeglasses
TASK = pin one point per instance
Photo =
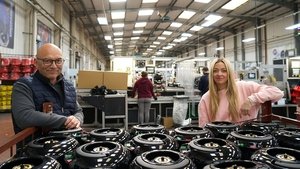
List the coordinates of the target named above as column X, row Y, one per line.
column 48, row 62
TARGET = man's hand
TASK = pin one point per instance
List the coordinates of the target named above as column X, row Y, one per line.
column 72, row 122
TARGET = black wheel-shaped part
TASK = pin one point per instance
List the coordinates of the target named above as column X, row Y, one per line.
column 250, row 140
column 31, row 162
column 206, row 150
column 110, row 134
column 69, row 132
column 266, row 128
column 102, row 154
column 237, row 164
column 278, row 157
column 52, row 146
column 288, row 137
column 151, row 141
column 221, row 129
column 184, row 135
column 79, row 134
column 162, row 159
column 147, row 128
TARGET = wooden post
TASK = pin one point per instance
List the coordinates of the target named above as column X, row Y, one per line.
column 266, row 113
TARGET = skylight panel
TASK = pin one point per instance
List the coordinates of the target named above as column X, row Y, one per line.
column 167, row 32
column 186, row 14
column 149, row 1
column 145, row 12
column 176, row 24
column 140, row 24
column 231, row 5
column 102, row 20
column 118, row 15
column 196, row 28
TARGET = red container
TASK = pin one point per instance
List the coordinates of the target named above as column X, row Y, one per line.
column 15, row 61
column 5, row 61
column 26, row 69
column 27, row 61
column 16, row 69
column 4, row 76
column 15, row 76
column 4, row 69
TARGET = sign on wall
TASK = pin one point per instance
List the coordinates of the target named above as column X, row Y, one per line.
column 7, row 23
column 44, row 34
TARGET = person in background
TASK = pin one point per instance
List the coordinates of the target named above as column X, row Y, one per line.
column 232, row 100
column 144, row 89
column 203, row 82
column 46, row 99
column 268, row 79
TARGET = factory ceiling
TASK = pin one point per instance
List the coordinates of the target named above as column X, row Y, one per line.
column 171, row 27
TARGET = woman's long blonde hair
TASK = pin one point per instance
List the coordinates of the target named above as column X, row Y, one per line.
column 231, row 91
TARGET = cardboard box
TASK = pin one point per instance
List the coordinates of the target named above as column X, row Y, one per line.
column 112, row 80
column 167, row 122
column 89, row 79
column 115, row 80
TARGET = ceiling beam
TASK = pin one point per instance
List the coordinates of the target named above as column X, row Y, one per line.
column 289, row 5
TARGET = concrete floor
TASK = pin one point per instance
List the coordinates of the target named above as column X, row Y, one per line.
column 6, row 132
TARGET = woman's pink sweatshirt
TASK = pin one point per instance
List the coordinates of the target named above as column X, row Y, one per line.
column 257, row 93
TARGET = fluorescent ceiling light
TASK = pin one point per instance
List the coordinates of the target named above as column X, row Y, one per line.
column 186, row 34
column 158, row 53
column 134, row 38
column 140, row 24
column 157, row 43
column 211, row 19
column 203, row 1
column 167, row 32
column 248, row 40
column 118, row 39
column 219, row 48
column 110, row 46
column 161, row 38
column 172, row 44
column 231, row 5
column 293, row 26
column 162, row 59
column 145, row 12
column 167, row 47
column 196, row 28
column 118, row 33
column 186, row 14
column 102, row 20
column 107, row 37
column 176, row 24
column 137, row 32
column 152, row 46
column 149, row 1
column 201, row 54
column 118, row 43
column 149, row 49
column 112, row 1
column 118, row 15
column 111, row 52
column 118, row 25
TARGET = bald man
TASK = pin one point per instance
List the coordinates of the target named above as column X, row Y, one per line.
column 46, row 98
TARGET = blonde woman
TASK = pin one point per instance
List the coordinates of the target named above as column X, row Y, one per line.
column 232, row 100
